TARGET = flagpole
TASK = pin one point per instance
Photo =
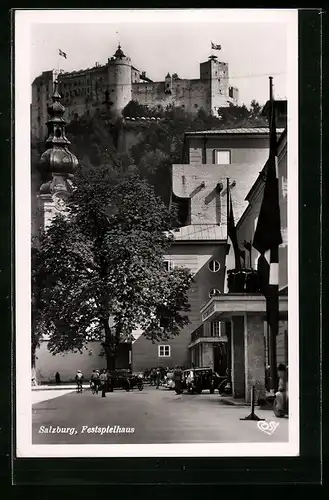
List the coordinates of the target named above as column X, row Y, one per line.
column 227, row 200
column 229, row 332
column 273, row 295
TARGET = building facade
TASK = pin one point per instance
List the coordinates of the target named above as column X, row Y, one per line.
column 246, row 227
column 245, row 313
column 118, row 82
column 211, row 157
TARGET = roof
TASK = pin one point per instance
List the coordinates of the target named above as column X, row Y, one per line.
column 251, row 130
column 197, row 232
column 280, row 106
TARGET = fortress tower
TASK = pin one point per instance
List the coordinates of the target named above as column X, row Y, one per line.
column 119, row 80
column 215, row 74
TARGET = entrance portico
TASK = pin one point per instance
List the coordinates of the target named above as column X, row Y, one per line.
column 246, row 314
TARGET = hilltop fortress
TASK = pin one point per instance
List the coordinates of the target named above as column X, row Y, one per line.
column 118, row 82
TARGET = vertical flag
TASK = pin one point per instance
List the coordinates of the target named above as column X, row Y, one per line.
column 267, row 239
column 231, row 229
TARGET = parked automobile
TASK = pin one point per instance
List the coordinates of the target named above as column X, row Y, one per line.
column 196, row 380
column 124, row 379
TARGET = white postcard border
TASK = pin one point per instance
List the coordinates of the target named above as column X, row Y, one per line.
column 24, row 19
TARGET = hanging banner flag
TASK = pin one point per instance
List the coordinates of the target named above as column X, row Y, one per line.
column 61, row 53
column 231, row 229
column 216, row 47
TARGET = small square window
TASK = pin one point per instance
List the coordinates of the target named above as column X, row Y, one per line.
column 222, row 157
column 164, row 351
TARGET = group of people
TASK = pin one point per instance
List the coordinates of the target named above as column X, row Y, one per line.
column 98, row 381
column 101, row 380
column 157, row 376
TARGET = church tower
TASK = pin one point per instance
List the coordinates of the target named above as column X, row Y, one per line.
column 57, row 165
column 119, row 79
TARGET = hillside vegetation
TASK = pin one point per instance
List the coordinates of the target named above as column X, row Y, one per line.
column 99, row 139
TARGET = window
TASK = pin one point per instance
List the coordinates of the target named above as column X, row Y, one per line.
column 222, row 157
column 215, row 329
column 214, row 292
column 196, row 105
column 164, row 351
column 168, row 264
column 214, row 266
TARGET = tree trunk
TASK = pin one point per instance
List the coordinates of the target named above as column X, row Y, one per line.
column 34, row 346
column 109, row 347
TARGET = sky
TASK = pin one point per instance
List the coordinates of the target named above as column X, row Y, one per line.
column 254, row 50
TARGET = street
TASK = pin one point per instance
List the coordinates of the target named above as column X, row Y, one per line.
column 149, row 416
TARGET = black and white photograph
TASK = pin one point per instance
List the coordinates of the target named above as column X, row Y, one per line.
column 156, row 184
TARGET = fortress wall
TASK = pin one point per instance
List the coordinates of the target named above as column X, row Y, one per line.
column 190, row 94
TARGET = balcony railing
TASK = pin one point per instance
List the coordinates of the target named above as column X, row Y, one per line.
column 243, row 281
column 199, row 332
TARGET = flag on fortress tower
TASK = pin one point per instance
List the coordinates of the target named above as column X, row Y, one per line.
column 214, row 46
column 61, row 53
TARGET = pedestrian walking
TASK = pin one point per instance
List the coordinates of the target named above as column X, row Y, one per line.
column 178, row 380
column 57, row 378
column 79, row 380
column 94, row 381
column 153, row 376
column 103, row 382
column 157, row 378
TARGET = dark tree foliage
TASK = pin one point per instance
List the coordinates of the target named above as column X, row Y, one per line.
column 101, row 138
column 105, row 258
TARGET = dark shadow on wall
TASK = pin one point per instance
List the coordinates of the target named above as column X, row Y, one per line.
column 145, row 353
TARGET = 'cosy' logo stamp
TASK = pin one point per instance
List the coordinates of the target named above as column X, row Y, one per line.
column 267, row 427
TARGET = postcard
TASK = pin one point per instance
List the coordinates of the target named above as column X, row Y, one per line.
column 156, row 184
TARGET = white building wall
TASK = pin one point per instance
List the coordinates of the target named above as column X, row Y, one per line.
column 67, row 364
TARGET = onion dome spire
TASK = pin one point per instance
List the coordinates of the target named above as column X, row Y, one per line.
column 57, row 163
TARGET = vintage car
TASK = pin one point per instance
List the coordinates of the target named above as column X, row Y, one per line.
column 124, row 379
column 196, row 380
